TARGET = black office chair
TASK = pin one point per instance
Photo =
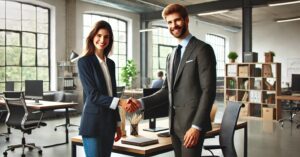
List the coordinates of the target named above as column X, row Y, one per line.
column 19, row 118
column 292, row 108
column 226, row 137
column 6, row 134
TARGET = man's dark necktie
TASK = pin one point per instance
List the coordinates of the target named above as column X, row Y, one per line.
column 176, row 62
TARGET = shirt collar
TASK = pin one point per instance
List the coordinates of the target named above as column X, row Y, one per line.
column 100, row 60
column 186, row 40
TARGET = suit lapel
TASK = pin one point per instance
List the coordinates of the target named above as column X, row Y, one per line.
column 188, row 51
column 99, row 73
column 171, row 67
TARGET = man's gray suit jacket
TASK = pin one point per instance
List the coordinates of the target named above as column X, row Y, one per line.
column 192, row 95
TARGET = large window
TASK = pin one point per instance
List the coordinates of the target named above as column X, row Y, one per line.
column 163, row 44
column 24, row 44
column 119, row 50
column 218, row 44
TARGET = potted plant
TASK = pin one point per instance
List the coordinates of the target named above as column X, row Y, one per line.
column 232, row 56
column 128, row 73
column 269, row 56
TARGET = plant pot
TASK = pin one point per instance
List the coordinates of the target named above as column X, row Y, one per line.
column 232, row 60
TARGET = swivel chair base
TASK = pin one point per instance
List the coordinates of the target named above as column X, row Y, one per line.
column 24, row 145
column 289, row 119
column 65, row 125
column 6, row 135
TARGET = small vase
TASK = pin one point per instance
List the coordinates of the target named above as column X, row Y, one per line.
column 134, row 129
column 232, row 60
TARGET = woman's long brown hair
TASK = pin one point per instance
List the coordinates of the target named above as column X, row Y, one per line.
column 90, row 47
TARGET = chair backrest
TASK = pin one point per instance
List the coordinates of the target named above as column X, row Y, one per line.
column 229, row 120
column 17, row 109
column 213, row 112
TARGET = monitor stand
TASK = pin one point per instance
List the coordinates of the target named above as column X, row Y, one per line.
column 152, row 126
column 36, row 102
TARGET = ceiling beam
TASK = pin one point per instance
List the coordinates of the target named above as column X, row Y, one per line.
column 210, row 6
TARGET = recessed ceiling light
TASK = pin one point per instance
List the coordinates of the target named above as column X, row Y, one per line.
column 283, row 3
column 212, row 13
column 288, row 19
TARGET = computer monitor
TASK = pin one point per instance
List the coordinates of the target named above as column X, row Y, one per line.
column 153, row 113
column 34, row 90
column 295, row 83
column 9, row 86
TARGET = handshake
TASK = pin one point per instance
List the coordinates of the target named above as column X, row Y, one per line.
column 129, row 105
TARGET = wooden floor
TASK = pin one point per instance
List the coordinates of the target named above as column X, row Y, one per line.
column 266, row 138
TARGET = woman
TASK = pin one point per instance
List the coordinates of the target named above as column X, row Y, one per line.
column 100, row 117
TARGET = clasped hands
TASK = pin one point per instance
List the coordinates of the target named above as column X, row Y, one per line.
column 129, row 105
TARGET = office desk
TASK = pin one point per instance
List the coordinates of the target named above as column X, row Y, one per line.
column 163, row 146
column 47, row 106
column 288, row 97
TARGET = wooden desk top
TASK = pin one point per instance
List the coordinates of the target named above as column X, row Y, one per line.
column 165, row 143
column 288, row 97
column 45, row 105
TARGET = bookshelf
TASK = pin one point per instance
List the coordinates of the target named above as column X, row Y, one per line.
column 256, row 85
column 66, row 75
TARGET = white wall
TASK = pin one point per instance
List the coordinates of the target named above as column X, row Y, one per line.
column 283, row 39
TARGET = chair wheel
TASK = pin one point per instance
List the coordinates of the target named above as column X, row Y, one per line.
column 55, row 129
column 5, row 153
column 7, row 139
column 23, row 155
column 40, row 152
column 30, row 148
column 12, row 149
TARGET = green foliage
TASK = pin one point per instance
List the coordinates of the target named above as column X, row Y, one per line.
column 128, row 73
column 232, row 55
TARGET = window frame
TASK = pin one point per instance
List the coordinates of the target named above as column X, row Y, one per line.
column 35, row 48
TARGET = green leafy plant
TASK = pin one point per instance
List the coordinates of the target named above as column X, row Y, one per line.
column 232, row 55
column 128, row 73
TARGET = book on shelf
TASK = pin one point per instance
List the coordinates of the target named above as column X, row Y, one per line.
column 231, row 70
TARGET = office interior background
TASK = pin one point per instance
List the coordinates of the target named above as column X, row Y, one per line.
column 38, row 36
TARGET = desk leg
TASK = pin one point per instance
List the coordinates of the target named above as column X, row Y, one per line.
column 67, row 123
column 67, row 131
column 74, row 150
column 246, row 141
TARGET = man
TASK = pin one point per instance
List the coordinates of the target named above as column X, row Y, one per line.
column 158, row 82
column 190, row 89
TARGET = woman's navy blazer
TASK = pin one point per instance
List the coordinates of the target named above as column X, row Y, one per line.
column 97, row 117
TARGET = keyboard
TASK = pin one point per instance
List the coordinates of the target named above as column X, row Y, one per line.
column 164, row 134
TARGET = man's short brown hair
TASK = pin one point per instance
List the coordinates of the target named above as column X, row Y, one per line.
column 174, row 8
column 160, row 74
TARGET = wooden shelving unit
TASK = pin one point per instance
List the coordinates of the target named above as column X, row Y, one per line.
column 256, row 85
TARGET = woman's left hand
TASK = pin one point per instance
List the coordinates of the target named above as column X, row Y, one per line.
column 118, row 134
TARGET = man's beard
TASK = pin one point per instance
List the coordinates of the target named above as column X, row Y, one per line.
column 183, row 31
